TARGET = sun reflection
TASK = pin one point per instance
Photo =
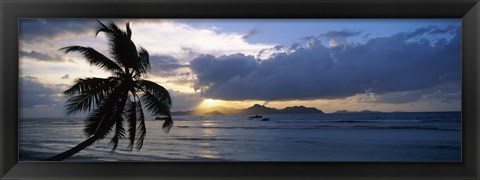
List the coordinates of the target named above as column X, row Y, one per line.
column 209, row 154
column 209, row 132
column 207, row 151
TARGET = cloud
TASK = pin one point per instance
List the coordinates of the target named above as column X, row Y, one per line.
column 33, row 29
column 447, row 92
column 251, row 33
column 449, row 29
column 210, row 70
column 185, row 42
column 432, row 31
column 336, row 38
column 38, row 56
column 418, row 32
column 160, row 37
column 34, row 94
column 340, row 34
column 381, row 65
column 266, row 53
column 164, row 65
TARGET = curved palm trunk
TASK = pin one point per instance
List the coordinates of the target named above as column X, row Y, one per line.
column 74, row 150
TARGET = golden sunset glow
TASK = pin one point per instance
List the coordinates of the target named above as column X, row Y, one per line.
column 209, row 103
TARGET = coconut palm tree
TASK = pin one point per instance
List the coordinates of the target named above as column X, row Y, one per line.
column 119, row 98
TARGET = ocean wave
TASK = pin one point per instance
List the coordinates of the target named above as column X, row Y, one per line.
column 209, row 127
column 408, row 127
column 202, row 139
column 448, row 147
column 352, row 121
column 329, row 127
column 251, row 127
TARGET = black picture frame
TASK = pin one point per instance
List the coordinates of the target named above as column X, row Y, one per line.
column 11, row 11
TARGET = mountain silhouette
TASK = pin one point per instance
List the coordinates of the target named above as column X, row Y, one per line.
column 255, row 109
column 214, row 113
column 259, row 109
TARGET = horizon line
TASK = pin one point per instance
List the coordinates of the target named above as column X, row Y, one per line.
column 350, row 112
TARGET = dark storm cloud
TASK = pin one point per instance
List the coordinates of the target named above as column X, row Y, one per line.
column 35, row 94
column 212, row 71
column 38, row 29
column 294, row 46
column 275, row 48
column 38, row 56
column 381, row 65
column 340, row 34
column 164, row 65
column 339, row 37
column 31, row 29
column 446, row 92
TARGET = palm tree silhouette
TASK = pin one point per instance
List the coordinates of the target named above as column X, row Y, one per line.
column 117, row 99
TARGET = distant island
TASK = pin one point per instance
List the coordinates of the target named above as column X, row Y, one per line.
column 260, row 109
column 214, row 113
column 364, row 111
column 255, row 109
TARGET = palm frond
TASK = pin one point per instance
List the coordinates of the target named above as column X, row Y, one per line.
column 103, row 28
column 119, row 131
column 94, row 57
column 122, row 47
column 157, row 100
column 100, row 122
column 107, row 114
column 129, row 31
column 157, row 91
column 89, row 84
column 167, row 124
column 88, row 93
column 141, row 129
column 143, row 65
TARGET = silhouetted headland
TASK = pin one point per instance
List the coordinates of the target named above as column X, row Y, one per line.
column 253, row 110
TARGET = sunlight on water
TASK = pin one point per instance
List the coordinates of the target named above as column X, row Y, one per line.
column 209, row 154
column 209, row 123
column 209, row 132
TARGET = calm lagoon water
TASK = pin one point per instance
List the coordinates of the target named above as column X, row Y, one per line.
column 302, row 137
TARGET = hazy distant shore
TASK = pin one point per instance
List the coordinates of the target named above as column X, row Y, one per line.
column 262, row 109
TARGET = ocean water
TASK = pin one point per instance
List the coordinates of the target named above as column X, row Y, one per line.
column 377, row 137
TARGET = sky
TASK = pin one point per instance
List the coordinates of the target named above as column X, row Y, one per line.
column 330, row 64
